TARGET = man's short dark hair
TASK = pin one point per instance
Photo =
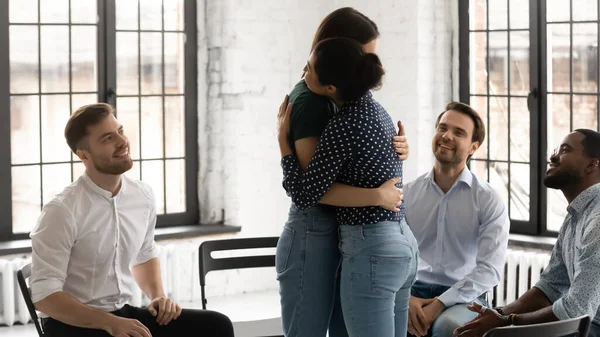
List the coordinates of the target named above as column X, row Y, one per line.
column 87, row 115
column 465, row 109
column 591, row 142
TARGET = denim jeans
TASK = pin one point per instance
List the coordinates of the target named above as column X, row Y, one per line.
column 452, row 317
column 307, row 261
column 379, row 267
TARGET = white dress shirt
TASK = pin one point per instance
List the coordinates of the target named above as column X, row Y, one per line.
column 86, row 241
column 462, row 235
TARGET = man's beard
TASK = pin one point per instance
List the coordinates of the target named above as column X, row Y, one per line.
column 559, row 179
column 450, row 160
column 113, row 168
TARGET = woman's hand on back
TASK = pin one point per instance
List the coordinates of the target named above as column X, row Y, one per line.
column 283, row 127
column 390, row 196
column 400, row 143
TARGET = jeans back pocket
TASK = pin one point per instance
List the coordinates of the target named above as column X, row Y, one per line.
column 388, row 274
column 283, row 250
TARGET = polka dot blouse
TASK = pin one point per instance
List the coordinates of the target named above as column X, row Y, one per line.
column 355, row 149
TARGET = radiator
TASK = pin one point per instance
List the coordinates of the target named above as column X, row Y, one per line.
column 522, row 270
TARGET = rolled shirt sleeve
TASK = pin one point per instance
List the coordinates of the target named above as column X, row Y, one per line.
column 51, row 243
column 583, row 296
column 149, row 250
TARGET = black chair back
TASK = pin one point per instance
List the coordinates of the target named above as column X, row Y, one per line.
column 575, row 327
column 22, row 275
column 208, row 263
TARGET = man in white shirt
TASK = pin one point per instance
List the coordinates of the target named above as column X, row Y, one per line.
column 95, row 240
column 461, row 225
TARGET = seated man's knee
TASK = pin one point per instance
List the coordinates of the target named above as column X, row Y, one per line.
column 445, row 324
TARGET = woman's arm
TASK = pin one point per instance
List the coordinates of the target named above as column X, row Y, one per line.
column 387, row 195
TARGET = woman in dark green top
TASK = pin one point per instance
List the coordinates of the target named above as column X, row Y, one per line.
column 307, row 257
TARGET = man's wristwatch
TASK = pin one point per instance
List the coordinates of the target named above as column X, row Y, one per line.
column 499, row 310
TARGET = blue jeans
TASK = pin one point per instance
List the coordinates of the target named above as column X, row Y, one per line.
column 307, row 261
column 379, row 267
column 452, row 317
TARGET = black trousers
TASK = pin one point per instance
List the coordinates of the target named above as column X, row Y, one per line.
column 201, row 323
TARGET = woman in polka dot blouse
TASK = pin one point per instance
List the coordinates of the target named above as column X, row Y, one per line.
column 378, row 248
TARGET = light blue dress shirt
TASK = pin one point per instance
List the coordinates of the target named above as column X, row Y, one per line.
column 572, row 279
column 462, row 235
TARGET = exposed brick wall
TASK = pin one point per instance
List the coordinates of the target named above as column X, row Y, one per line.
column 251, row 53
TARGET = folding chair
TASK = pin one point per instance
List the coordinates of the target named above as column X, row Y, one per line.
column 575, row 327
column 22, row 275
column 207, row 264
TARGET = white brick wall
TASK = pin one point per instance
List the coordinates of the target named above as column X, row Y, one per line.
column 251, row 53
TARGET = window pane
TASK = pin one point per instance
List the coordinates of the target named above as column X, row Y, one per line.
column 559, row 120
column 558, row 10
column 24, row 129
column 83, row 58
column 128, row 114
column 519, row 191
column 585, row 10
column 478, row 14
column 559, row 49
column 175, row 186
column 519, row 14
column 23, row 11
column 84, row 11
column 519, row 63
column 55, row 113
column 127, row 64
column 520, row 142
column 175, row 126
column 556, row 210
column 478, row 63
column 25, row 181
column 585, row 57
column 126, row 14
column 498, row 63
column 498, row 14
column 153, row 174
column 174, row 63
column 54, row 179
column 152, row 128
column 499, row 179
column 55, row 58
column 151, row 58
column 151, row 14
column 498, row 128
column 24, row 77
column 134, row 171
column 80, row 100
column 480, row 168
column 54, row 11
column 585, row 112
column 78, row 169
column 174, row 14
column 479, row 103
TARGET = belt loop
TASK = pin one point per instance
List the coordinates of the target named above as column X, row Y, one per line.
column 401, row 227
column 362, row 232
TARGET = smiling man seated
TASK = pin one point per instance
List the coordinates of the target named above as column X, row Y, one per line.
column 569, row 287
column 95, row 240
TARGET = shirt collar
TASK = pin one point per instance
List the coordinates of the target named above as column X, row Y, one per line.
column 465, row 176
column 106, row 194
column 366, row 97
column 580, row 202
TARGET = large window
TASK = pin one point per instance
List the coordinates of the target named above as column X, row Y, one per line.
column 138, row 55
column 531, row 69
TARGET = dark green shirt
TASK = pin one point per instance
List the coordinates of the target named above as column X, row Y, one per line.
column 310, row 113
